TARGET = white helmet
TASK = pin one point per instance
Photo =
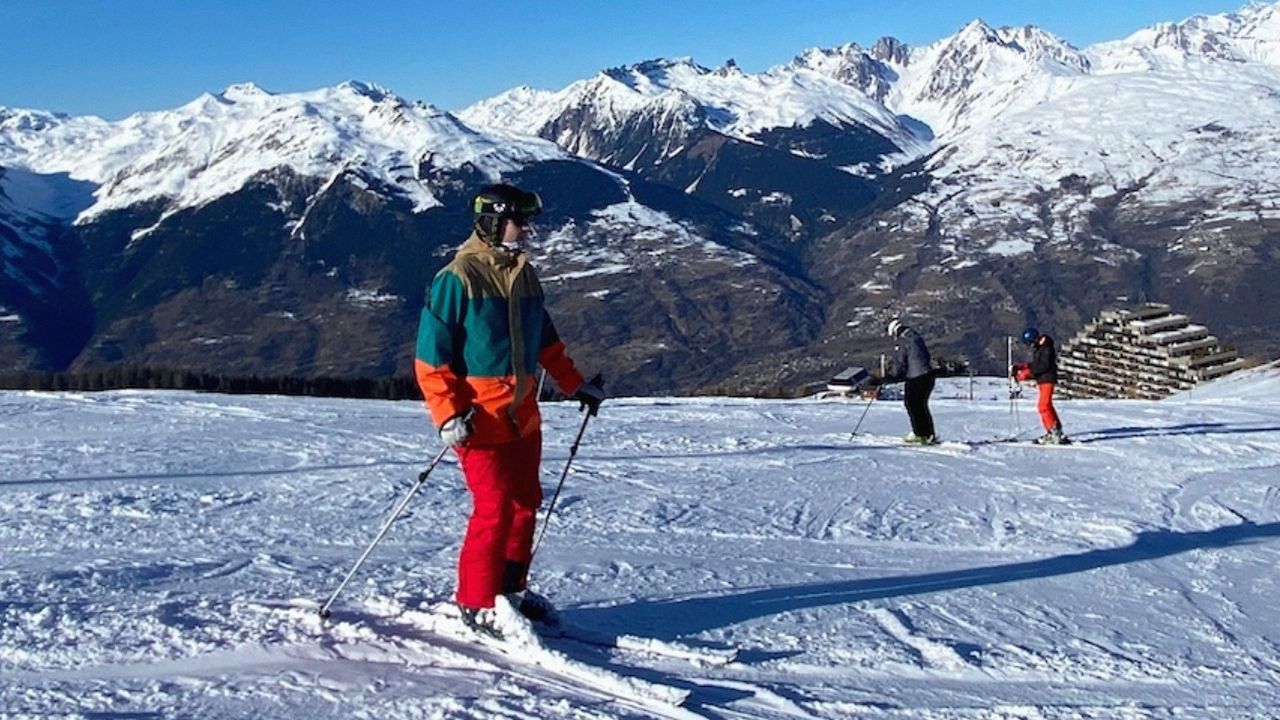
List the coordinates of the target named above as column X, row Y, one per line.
column 895, row 327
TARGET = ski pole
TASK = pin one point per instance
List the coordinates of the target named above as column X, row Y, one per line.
column 422, row 478
column 1014, row 389
column 573, row 451
column 864, row 413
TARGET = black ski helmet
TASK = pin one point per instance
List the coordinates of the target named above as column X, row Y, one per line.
column 1029, row 335
column 495, row 203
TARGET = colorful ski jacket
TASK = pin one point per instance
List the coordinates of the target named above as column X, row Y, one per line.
column 481, row 337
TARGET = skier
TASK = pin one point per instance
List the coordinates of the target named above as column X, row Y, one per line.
column 914, row 366
column 1043, row 368
column 481, row 336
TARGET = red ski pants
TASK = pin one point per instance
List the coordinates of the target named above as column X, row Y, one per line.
column 1048, row 416
column 505, row 494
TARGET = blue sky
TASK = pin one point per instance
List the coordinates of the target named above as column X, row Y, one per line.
column 111, row 58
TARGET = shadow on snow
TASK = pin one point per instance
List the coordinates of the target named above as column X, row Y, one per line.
column 1132, row 431
column 674, row 617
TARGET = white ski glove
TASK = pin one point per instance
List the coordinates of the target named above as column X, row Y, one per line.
column 456, row 430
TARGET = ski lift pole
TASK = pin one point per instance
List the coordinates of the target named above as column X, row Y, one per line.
column 422, row 478
column 573, row 451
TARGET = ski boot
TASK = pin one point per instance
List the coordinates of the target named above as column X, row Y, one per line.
column 1053, row 437
column 535, row 607
column 482, row 621
column 914, row 439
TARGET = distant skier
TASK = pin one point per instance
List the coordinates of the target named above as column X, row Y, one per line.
column 915, row 367
column 481, row 336
column 1043, row 368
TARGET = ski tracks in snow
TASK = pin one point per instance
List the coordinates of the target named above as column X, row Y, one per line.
column 1130, row 574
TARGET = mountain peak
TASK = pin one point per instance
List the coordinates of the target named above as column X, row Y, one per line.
column 654, row 72
column 1254, row 9
column 891, row 50
column 22, row 120
column 977, row 31
column 1041, row 45
column 243, row 91
column 372, row 91
column 854, row 66
column 1250, row 34
column 730, row 67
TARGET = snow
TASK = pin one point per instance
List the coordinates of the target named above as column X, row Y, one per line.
column 213, row 145
column 1035, row 138
column 735, row 103
column 626, row 236
column 370, row 298
column 31, row 206
column 162, row 551
column 1177, row 114
column 1038, row 134
column 1010, row 247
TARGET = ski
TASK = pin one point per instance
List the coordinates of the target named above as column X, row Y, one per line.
column 522, row 644
column 947, row 446
column 1022, row 441
column 701, row 656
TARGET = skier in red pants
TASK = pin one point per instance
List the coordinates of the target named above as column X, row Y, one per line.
column 1043, row 368
column 481, row 336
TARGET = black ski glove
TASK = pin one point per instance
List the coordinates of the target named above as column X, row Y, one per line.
column 591, row 394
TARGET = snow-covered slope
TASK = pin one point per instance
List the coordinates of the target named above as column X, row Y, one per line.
column 161, row 549
column 1251, row 35
column 32, row 207
column 211, row 146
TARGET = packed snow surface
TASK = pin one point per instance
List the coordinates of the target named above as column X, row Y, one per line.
column 163, row 553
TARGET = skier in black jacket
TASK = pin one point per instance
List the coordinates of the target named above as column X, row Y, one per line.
column 915, row 367
column 1043, row 368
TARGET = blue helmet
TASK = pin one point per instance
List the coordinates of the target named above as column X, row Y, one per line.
column 1029, row 335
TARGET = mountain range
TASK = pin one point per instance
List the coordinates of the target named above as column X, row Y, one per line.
column 706, row 228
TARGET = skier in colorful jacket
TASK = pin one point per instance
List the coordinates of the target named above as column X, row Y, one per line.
column 1043, row 368
column 481, row 336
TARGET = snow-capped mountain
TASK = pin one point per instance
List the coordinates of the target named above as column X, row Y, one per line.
column 212, row 146
column 1065, row 181
column 1190, row 131
column 38, row 273
column 789, row 150
column 229, row 231
column 1036, row 180
column 683, row 97
column 1251, row 35
column 956, row 83
column 996, row 177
